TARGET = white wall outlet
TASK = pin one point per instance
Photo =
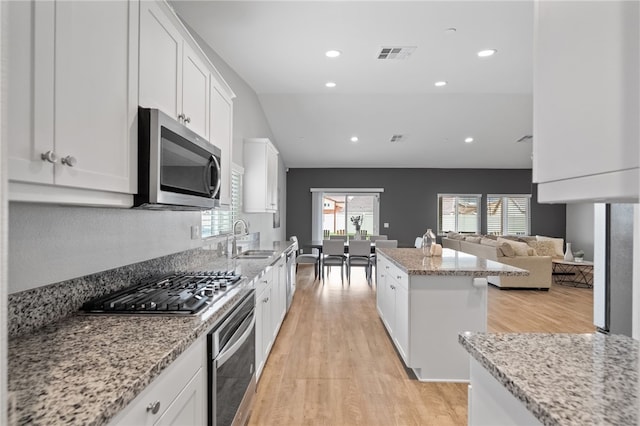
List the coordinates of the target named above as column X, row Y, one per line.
column 386, row 224
column 195, row 232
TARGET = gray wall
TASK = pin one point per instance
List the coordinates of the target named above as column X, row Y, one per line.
column 409, row 201
column 580, row 232
column 49, row 243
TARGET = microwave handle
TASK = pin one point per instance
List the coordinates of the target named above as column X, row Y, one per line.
column 213, row 162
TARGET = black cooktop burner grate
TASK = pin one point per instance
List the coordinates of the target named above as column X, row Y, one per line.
column 183, row 293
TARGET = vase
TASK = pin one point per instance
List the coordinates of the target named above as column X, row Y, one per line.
column 357, row 235
column 568, row 254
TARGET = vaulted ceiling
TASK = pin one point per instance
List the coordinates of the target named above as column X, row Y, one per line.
column 278, row 48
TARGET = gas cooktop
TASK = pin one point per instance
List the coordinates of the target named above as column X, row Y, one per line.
column 182, row 293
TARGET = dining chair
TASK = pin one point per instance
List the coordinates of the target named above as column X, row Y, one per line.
column 307, row 259
column 377, row 237
column 359, row 255
column 374, row 258
column 333, row 255
column 338, row 237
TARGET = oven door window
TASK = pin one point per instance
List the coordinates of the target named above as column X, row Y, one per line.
column 185, row 167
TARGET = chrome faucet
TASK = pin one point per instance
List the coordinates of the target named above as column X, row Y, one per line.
column 234, row 246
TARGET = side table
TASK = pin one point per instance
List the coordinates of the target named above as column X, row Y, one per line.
column 578, row 274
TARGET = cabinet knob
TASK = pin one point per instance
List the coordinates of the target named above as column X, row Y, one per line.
column 265, row 300
column 49, row 156
column 187, row 119
column 181, row 117
column 69, row 160
column 399, row 277
column 154, row 407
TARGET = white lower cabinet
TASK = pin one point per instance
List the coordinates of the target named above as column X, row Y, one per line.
column 490, row 404
column 176, row 397
column 423, row 315
column 271, row 306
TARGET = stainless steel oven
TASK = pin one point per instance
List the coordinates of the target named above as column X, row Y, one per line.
column 177, row 169
column 231, row 366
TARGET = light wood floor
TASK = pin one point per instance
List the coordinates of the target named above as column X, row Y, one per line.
column 334, row 364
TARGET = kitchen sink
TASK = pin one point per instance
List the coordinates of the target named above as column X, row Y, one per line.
column 255, row 254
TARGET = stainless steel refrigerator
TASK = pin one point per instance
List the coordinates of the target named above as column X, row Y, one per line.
column 613, row 268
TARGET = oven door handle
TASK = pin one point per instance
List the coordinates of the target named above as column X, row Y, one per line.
column 213, row 164
column 237, row 341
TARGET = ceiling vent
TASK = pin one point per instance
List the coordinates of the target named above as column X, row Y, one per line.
column 397, row 138
column 525, row 138
column 396, row 52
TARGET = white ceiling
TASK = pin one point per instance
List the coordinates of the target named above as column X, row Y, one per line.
column 278, row 48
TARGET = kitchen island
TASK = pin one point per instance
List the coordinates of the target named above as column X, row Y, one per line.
column 553, row 379
column 424, row 302
column 87, row 368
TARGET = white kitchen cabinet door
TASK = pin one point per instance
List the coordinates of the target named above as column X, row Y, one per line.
column 72, row 84
column 272, row 177
column 280, row 303
column 260, row 176
column 267, row 322
column 586, row 105
column 189, row 406
column 160, row 61
column 220, row 135
column 29, row 89
column 259, row 333
column 195, row 92
column 95, row 129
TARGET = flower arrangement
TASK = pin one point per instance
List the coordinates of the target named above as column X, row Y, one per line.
column 578, row 256
column 357, row 222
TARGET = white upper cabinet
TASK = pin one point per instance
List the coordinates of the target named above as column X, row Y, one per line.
column 260, row 176
column 76, row 128
column 160, row 61
column 586, row 90
column 221, row 135
column 195, row 92
column 173, row 76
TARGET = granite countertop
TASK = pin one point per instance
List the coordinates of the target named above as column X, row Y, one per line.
column 565, row 379
column 452, row 262
column 84, row 369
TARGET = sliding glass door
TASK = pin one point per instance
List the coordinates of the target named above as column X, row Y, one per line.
column 343, row 213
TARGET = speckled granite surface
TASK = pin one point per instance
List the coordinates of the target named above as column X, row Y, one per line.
column 565, row 379
column 452, row 262
column 84, row 369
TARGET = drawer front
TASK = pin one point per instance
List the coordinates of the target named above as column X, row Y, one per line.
column 398, row 275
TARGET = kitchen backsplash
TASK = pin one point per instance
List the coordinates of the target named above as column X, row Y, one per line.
column 31, row 309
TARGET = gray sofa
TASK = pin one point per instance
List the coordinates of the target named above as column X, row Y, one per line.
column 539, row 267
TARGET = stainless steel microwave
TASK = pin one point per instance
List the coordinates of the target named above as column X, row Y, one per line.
column 177, row 169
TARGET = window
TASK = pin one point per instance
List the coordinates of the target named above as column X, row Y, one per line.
column 219, row 222
column 508, row 214
column 459, row 213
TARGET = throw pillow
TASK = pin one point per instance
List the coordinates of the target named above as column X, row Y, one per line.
column 544, row 248
column 506, row 249
column 557, row 242
column 520, row 249
column 489, row 242
column 455, row 236
column 475, row 240
column 528, row 239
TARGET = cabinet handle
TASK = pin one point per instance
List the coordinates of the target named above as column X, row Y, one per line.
column 187, row 119
column 386, row 267
column 392, row 287
column 154, row 407
column 69, row 160
column 399, row 277
column 49, row 156
column 265, row 281
column 181, row 117
column 265, row 300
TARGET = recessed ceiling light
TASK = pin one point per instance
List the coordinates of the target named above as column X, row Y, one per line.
column 450, row 31
column 333, row 53
column 330, row 84
column 354, row 139
column 488, row 52
column 440, row 83
column 468, row 140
